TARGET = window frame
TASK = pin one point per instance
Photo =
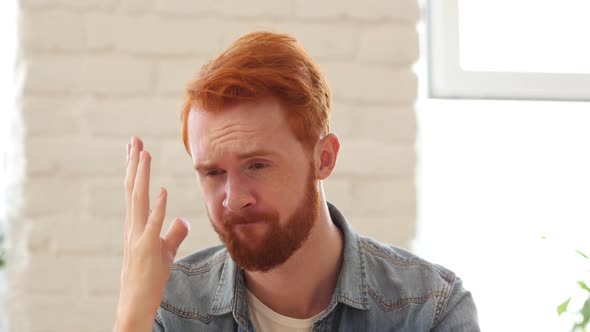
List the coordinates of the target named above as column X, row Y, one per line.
column 448, row 80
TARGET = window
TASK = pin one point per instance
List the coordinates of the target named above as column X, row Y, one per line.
column 7, row 124
column 504, row 184
column 526, row 49
column 7, row 100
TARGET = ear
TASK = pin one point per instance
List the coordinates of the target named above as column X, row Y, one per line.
column 326, row 153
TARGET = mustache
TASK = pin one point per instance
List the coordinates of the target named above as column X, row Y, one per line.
column 231, row 218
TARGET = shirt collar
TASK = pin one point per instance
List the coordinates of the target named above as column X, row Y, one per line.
column 352, row 282
column 230, row 294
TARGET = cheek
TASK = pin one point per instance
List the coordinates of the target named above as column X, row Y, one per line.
column 286, row 192
column 214, row 212
column 212, row 201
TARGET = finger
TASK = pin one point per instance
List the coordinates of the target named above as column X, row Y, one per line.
column 136, row 147
column 156, row 218
column 127, row 212
column 140, row 200
column 128, row 149
column 176, row 234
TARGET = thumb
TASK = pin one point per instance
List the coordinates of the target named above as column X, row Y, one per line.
column 177, row 232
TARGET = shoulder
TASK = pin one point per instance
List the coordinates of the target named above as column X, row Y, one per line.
column 397, row 277
column 200, row 262
column 190, row 291
column 401, row 282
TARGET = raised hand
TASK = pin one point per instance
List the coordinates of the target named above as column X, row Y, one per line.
column 147, row 257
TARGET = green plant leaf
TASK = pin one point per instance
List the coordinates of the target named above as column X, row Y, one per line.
column 2, row 251
column 563, row 307
column 584, row 286
column 582, row 254
column 585, row 311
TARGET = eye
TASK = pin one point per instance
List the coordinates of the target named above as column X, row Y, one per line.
column 215, row 172
column 258, row 165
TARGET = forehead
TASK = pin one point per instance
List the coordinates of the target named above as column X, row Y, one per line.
column 239, row 130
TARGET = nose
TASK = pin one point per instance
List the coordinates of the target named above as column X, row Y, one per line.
column 237, row 195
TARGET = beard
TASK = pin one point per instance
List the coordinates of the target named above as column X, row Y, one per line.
column 278, row 241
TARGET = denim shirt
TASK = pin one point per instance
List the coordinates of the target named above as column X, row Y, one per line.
column 380, row 288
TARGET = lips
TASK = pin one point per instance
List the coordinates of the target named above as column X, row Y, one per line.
column 230, row 219
column 244, row 222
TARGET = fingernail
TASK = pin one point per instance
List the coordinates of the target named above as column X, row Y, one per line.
column 186, row 222
column 161, row 192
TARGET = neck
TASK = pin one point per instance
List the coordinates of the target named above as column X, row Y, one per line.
column 303, row 286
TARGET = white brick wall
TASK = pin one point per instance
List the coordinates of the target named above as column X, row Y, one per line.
column 101, row 71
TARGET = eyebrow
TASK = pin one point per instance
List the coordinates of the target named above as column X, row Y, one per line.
column 203, row 167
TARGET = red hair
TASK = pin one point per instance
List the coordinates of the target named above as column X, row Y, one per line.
column 264, row 64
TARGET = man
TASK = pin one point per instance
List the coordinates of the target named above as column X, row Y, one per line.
column 256, row 125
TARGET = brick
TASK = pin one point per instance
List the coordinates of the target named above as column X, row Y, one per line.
column 257, row 8
column 39, row 240
column 101, row 276
column 343, row 120
column 47, row 275
column 84, row 5
column 50, row 116
column 389, row 44
column 45, row 313
column 143, row 117
column 174, row 76
column 137, row 6
column 396, row 230
column 102, row 75
column 188, row 7
column 228, row 8
column 175, row 160
column 398, row 10
column 232, row 30
column 371, row 158
column 396, row 125
column 75, row 156
column 172, row 36
column 106, row 198
column 338, row 191
column 371, row 83
column 38, row 193
column 51, row 30
column 102, row 30
column 320, row 9
column 184, row 197
column 378, row 196
column 153, row 35
column 54, row 235
column 372, row 10
column 321, row 40
column 118, row 237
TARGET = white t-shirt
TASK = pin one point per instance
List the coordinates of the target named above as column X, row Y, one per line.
column 265, row 319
